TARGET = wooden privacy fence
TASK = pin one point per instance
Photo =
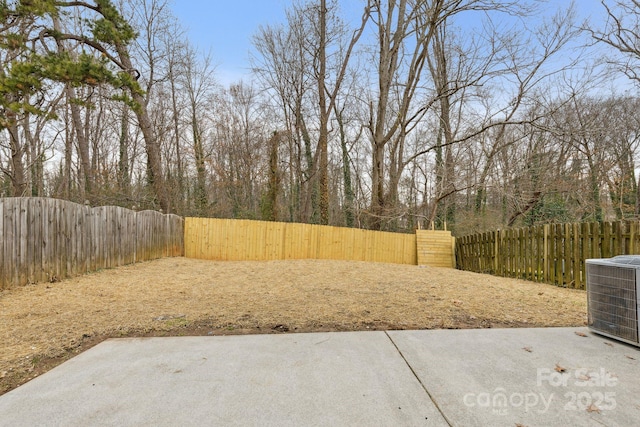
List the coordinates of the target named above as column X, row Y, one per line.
column 47, row 239
column 436, row 248
column 228, row 239
column 553, row 253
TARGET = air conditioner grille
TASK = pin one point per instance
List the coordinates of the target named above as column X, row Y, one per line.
column 612, row 298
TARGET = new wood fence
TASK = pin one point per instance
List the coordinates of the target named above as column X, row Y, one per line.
column 229, row 239
column 553, row 253
column 47, row 239
column 436, row 248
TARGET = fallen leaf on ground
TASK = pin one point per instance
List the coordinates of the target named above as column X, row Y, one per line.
column 581, row 334
column 560, row 369
column 593, row 408
column 312, row 295
column 527, row 349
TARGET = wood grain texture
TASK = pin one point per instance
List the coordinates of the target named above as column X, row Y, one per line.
column 45, row 239
column 552, row 253
column 246, row 240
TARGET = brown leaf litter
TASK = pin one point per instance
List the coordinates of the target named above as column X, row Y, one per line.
column 178, row 296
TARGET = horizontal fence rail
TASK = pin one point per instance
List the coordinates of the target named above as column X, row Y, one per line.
column 229, row 239
column 435, row 248
column 552, row 253
column 48, row 239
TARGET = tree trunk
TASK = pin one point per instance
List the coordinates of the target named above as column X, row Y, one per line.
column 83, row 142
column 377, row 187
column 324, row 117
column 270, row 211
column 124, row 182
column 595, row 192
column 349, row 196
column 638, row 197
column 65, row 186
column 202, row 201
column 18, row 178
column 176, row 132
column 311, row 213
column 152, row 147
column 390, row 41
column 82, row 135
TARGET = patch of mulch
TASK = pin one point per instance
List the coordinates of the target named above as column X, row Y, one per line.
column 44, row 324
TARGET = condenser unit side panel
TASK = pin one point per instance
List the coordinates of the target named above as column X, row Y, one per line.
column 612, row 299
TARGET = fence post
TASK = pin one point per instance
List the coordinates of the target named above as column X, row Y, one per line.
column 606, row 240
column 496, row 238
column 577, row 266
column 616, row 234
column 566, row 257
column 539, row 230
column 551, row 253
column 545, row 259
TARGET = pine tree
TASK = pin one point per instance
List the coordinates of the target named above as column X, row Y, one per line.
column 34, row 62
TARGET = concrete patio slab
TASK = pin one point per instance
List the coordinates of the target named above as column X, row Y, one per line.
column 487, row 377
column 296, row 379
column 511, row 377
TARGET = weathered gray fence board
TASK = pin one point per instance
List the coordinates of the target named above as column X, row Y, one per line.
column 47, row 239
column 553, row 253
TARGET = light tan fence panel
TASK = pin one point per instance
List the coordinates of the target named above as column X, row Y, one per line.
column 224, row 239
column 435, row 248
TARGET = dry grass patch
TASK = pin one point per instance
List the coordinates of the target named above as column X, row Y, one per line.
column 180, row 295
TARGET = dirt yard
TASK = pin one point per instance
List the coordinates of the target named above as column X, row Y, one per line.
column 44, row 324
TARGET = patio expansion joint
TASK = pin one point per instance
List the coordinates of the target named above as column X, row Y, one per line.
column 418, row 379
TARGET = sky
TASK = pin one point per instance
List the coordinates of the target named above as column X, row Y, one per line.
column 225, row 27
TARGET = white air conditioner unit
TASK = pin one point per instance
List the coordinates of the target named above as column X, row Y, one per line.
column 613, row 297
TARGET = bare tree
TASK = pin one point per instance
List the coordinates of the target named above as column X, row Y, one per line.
column 199, row 83
column 408, row 33
column 325, row 51
column 282, row 66
column 621, row 32
column 328, row 92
